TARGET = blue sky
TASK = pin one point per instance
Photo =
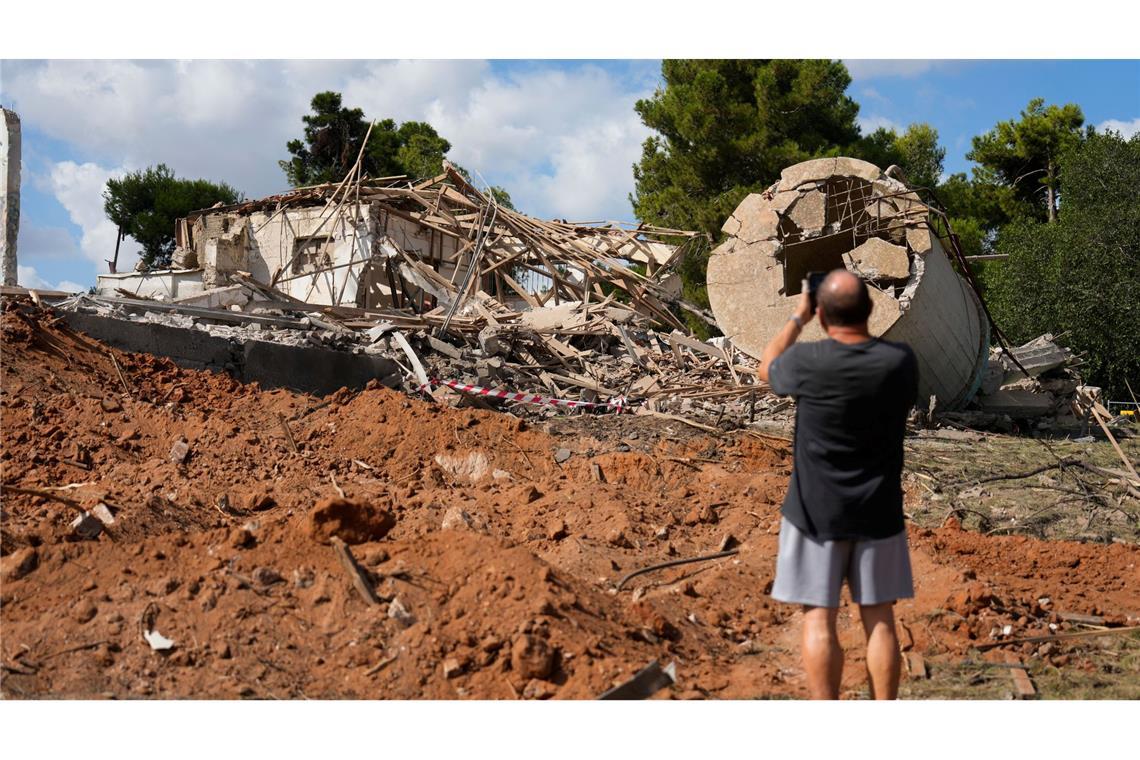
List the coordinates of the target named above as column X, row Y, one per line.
column 560, row 135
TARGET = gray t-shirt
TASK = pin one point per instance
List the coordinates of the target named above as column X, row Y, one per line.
column 852, row 403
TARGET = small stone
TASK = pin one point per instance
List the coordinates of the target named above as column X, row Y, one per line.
column 531, row 657
column 242, row 538
column 398, row 612
column 536, row 689
column 111, row 404
column 701, row 514
column 179, row 451
column 19, row 563
column 87, row 526
column 456, row 518
column 267, row 576
column 562, row 455
column 452, row 668
column 556, row 530
column 259, row 502
column 530, row 494
column 617, row 537
column 375, row 557
column 84, row 611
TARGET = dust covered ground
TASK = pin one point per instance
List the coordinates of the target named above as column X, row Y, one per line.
column 502, row 542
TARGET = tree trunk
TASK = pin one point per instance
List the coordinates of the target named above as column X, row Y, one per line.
column 1050, row 194
column 114, row 263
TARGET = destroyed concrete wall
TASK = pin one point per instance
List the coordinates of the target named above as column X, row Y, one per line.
column 833, row 213
column 158, row 284
column 9, row 194
column 318, row 254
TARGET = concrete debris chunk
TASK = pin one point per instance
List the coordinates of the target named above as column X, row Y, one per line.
column 877, row 259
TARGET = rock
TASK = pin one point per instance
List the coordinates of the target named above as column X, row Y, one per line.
column 110, row 404
column 267, row 576
column 531, row 657
column 375, row 557
column 398, row 612
column 103, row 513
column 179, row 451
column 617, row 537
column 242, row 538
column 452, row 668
column 562, row 455
column 455, row 518
column 259, row 502
column 87, row 526
column 529, row 494
column 84, row 611
column 556, row 529
column 536, row 689
column 701, row 514
column 353, row 522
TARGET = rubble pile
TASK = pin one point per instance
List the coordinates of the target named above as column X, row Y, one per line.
column 605, row 353
column 1034, row 387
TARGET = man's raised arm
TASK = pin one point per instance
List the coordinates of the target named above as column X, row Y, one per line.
column 786, row 336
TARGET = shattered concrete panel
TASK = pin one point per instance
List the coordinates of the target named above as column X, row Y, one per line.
column 809, row 212
column 877, row 259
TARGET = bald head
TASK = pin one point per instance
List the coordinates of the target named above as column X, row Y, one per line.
column 843, row 299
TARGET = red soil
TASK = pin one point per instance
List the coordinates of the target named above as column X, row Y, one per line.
column 495, row 580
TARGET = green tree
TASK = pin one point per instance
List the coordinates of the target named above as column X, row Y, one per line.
column 334, row 133
column 145, row 204
column 1024, row 155
column 727, row 128
column 920, row 155
column 1081, row 274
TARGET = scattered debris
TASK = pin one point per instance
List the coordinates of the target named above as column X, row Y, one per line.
column 647, row 682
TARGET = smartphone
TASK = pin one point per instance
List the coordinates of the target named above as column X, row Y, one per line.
column 811, row 284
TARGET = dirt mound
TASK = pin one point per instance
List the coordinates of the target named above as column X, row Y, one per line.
column 493, row 561
column 353, row 522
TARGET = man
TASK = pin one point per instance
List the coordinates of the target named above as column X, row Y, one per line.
column 842, row 516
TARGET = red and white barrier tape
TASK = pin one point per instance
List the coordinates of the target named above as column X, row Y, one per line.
column 618, row 403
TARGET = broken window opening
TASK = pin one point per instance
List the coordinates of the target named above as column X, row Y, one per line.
column 312, row 254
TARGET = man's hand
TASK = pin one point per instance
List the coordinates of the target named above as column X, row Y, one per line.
column 803, row 308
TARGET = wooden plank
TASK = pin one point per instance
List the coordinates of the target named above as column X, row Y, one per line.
column 916, row 666
column 363, row 587
column 1022, row 684
column 1115, row 445
column 417, row 366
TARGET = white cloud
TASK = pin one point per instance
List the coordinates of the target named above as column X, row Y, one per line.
column 29, row 278
column 868, row 124
column 79, row 189
column 229, row 120
column 870, row 68
column 1126, row 128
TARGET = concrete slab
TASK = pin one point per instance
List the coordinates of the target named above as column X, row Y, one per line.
column 1018, row 403
column 809, row 212
column 876, row 259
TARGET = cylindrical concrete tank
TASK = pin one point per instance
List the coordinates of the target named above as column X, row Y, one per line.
column 841, row 212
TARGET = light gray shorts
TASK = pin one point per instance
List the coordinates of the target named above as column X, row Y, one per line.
column 811, row 572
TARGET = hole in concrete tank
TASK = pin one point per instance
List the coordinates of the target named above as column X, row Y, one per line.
column 821, row 250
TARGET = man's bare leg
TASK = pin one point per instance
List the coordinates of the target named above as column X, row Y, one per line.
column 823, row 657
column 883, row 662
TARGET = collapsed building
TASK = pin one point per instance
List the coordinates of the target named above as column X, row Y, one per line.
column 832, row 213
column 436, row 288
column 389, row 243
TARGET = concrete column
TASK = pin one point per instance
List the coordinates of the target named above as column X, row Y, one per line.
column 9, row 193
